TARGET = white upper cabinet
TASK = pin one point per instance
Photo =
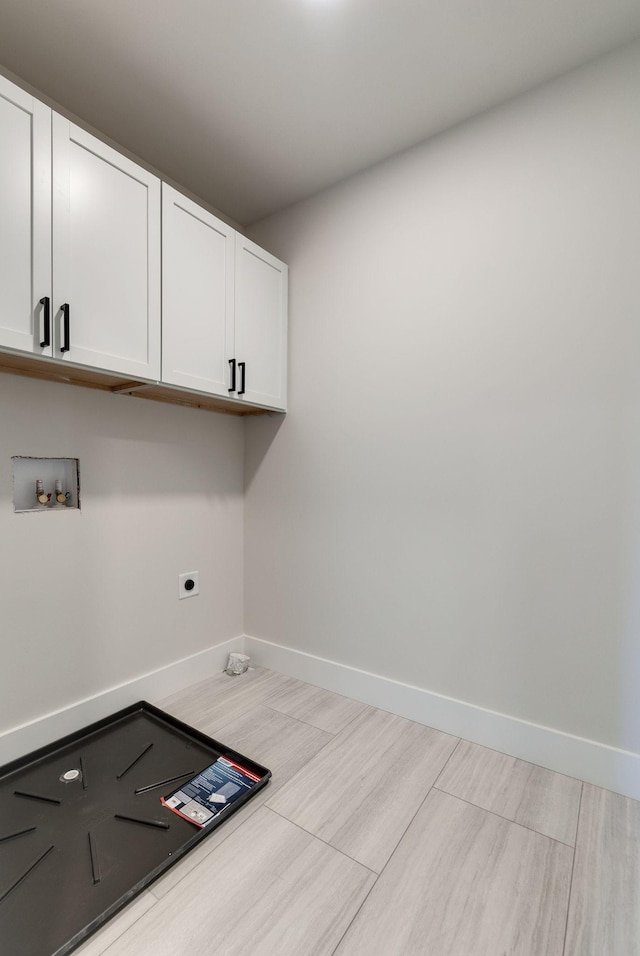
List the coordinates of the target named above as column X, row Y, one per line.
column 106, row 256
column 198, row 252
column 224, row 308
column 83, row 271
column 25, row 220
column 260, row 326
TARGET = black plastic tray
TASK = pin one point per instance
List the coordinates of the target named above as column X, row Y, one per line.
column 74, row 853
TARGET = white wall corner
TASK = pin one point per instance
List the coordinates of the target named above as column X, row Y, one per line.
column 152, row 686
column 599, row 764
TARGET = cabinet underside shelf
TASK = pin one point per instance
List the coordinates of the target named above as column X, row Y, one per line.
column 34, row 367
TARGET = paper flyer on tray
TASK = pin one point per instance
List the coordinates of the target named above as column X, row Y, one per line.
column 205, row 796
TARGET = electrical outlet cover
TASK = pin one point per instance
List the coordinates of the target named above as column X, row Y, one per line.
column 188, row 584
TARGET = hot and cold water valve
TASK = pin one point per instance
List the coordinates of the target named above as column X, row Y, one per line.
column 45, row 484
column 56, row 499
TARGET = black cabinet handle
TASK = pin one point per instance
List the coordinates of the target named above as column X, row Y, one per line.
column 47, row 322
column 243, row 377
column 65, row 328
column 232, row 363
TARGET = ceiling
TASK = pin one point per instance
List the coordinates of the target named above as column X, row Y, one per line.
column 254, row 104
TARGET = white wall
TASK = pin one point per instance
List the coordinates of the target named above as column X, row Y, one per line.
column 453, row 500
column 89, row 599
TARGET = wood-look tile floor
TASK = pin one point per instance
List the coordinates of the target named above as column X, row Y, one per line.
column 380, row 837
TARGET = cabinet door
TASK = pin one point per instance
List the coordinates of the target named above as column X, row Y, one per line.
column 25, row 219
column 106, row 256
column 261, row 325
column 198, row 254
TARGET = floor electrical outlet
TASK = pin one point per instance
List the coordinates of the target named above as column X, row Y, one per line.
column 188, row 584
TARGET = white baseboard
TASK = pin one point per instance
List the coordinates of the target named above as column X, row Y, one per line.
column 159, row 683
column 597, row 763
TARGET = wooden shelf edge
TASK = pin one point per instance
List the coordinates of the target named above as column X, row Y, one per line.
column 210, row 403
column 46, row 370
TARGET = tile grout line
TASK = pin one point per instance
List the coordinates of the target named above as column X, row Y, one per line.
column 531, row 763
column 332, row 739
column 324, row 842
column 434, row 787
column 213, row 849
column 375, row 875
column 336, row 733
column 272, row 696
column 573, row 867
column 390, row 746
column 355, row 915
column 262, row 703
column 400, row 839
column 185, row 693
column 315, row 687
column 272, row 792
column 307, row 723
column 578, row 830
column 418, row 809
column 269, row 792
column 446, row 763
column 500, row 816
